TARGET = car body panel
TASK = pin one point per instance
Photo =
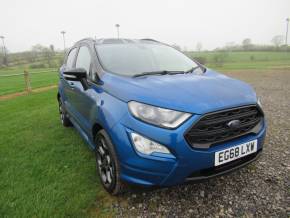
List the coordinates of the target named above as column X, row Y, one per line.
column 198, row 94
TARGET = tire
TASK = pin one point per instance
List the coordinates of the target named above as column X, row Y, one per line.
column 108, row 167
column 63, row 115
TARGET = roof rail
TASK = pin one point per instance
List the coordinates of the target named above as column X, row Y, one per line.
column 148, row 39
column 84, row 39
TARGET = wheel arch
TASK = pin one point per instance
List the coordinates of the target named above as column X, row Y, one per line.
column 58, row 96
column 96, row 128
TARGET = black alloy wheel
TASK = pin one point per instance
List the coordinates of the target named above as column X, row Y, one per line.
column 107, row 164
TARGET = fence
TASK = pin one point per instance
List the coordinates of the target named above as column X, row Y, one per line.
column 26, row 81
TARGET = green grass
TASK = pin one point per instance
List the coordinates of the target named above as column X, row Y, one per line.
column 46, row 170
column 19, row 69
column 246, row 60
column 252, row 65
column 17, row 84
column 245, row 56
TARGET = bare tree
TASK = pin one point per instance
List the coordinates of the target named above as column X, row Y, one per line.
column 1, row 56
column 220, row 58
column 230, row 46
column 44, row 52
column 51, row 48
column 278, row 40
column 247, row 44
column 38, row 48
column 198, row 46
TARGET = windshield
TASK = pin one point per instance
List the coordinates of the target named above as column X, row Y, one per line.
column 136, row 58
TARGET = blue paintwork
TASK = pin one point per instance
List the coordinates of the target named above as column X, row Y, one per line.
column 184, row 92
column 106, row 105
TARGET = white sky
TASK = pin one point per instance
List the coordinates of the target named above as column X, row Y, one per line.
column 185, row 22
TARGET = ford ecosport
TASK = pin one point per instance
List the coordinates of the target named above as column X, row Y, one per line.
column 155, row 117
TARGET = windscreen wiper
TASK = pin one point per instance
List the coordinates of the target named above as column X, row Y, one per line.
column 191, row 70
column 161, row 72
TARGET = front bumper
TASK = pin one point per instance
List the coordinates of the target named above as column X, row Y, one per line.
column 186, row 164
column 224, row 169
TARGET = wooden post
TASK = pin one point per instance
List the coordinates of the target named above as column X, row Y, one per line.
column 27, row 81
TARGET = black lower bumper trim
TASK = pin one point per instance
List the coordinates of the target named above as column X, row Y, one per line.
column 224, row 169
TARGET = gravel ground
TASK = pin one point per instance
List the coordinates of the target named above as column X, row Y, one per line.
column 261, row 189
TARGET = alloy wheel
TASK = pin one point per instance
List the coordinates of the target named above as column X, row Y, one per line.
column 61, row 112
column 105, row 163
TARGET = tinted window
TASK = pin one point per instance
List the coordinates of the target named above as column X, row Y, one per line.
column 70, row 58
column 84, row 59
column 134, row 58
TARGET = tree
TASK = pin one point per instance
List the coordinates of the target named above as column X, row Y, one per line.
column 230, row 46
column 29, row 56
column 219, row 58
column 247, row 44
column 38, row 48
column 44, row 52
column 278, row 40
column 51, row 48
column 198, row 46
column 3, row 56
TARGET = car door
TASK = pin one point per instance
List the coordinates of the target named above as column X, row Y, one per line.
column 85, row 100
column 68, row 86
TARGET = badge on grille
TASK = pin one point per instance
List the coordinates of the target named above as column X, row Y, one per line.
column 234, row 124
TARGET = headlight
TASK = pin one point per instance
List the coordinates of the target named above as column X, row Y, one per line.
column 157, row 116
column 146, row 146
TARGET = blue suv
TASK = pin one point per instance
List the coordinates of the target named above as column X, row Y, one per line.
column 153, row 116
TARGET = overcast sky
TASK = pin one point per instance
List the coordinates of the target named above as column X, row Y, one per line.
column 185, row 22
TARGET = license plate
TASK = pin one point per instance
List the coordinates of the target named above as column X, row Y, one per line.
column 235, row 152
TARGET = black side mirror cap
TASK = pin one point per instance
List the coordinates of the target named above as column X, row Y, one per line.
column 77, row 74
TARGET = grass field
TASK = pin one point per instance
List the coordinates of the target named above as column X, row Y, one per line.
column 245, row 56
column 19, row 69
column 14, row 84
column 232, row 61
column 46, row 170
column 246, row 60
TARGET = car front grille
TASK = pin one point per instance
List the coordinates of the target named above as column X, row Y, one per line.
column 214, row 127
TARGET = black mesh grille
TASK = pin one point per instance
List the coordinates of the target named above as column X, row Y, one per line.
column 213, row 127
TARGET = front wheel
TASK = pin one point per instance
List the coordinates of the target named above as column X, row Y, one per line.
column 107, row 164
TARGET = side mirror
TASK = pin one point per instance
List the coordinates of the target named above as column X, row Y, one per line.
column 77, row 74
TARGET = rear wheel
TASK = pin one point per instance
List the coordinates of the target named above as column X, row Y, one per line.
column 107, row 164
column 63, row 115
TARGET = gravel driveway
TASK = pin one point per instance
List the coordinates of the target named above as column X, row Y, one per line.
column 261, row 189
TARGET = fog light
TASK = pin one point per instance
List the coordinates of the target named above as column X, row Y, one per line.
column 147, row 146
